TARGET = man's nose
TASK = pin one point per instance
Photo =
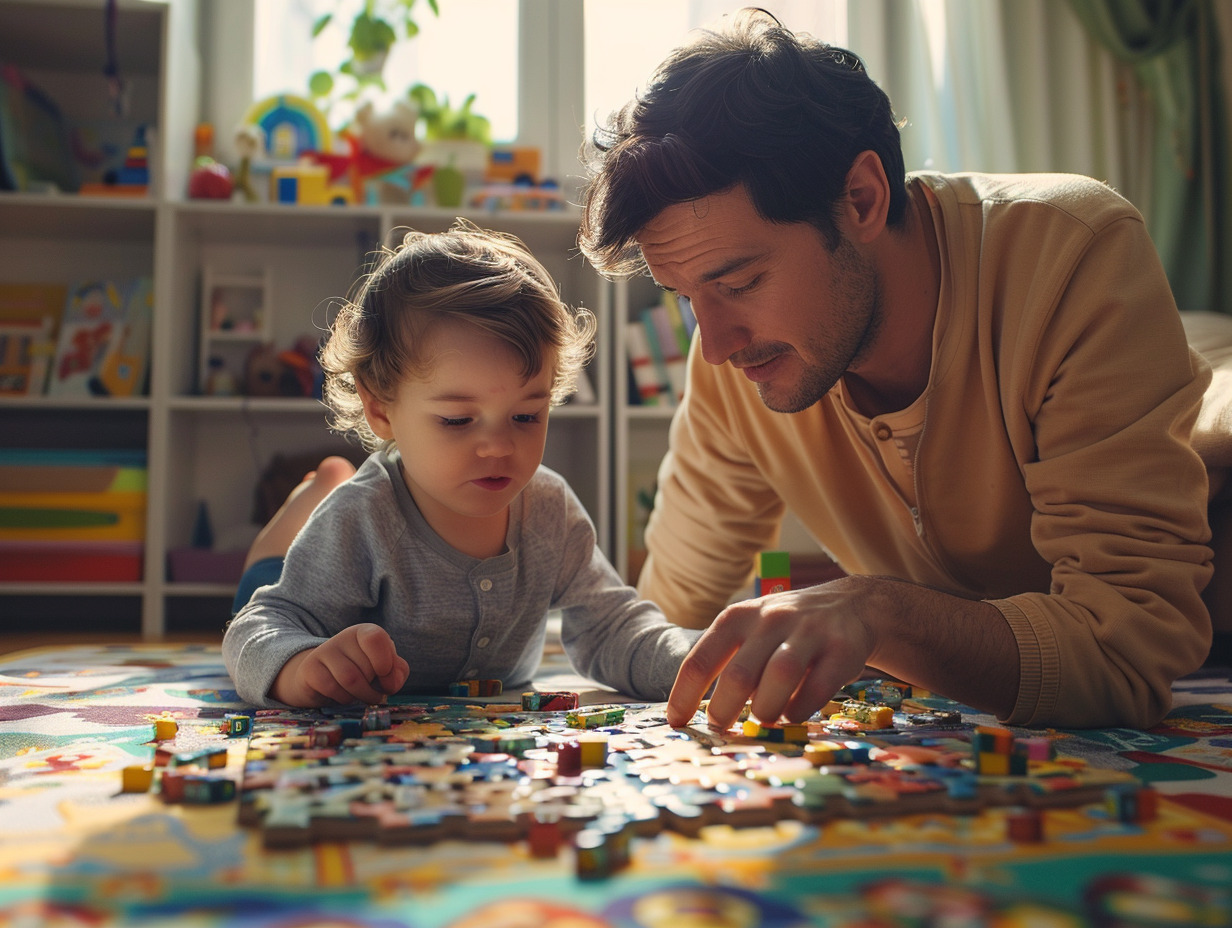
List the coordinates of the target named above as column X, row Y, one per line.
column 720, row 336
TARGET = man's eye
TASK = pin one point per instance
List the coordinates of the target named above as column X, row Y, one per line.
column 747, row 287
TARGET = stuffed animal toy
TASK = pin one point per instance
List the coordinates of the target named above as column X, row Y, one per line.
column 390, row 135
column 379, row 145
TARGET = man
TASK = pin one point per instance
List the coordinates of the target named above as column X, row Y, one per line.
column 974, row 391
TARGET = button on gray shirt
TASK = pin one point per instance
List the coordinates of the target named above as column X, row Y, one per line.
column 368, row 555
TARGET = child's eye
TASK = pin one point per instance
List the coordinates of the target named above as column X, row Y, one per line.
column 526, row 418
column 454, row 423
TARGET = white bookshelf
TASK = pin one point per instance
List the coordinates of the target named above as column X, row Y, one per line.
column 214, row 448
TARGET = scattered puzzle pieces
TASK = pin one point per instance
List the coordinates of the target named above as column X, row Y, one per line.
column 595, row 776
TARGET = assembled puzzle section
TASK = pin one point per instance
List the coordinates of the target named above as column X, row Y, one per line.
column 597, row 775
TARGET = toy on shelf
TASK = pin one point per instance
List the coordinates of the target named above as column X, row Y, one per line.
column 308, row 184
column 201, row 561
column 380, row 145
column 36, row 154
column 290, row 373
column 292, row 126
column 29, row 318
column 249, row 143
column 104, row 342
column 210, row 179
column 280, row 132
column 512, row 182
column 132, row 178
column 234, row 321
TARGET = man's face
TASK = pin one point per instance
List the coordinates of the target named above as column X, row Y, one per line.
column 768, row 297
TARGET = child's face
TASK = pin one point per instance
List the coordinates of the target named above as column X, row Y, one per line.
column 472, row 434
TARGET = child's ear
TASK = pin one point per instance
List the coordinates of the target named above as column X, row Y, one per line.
column 376, row 412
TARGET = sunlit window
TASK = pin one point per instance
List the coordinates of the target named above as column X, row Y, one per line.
column 626, row 39
column 471, row 47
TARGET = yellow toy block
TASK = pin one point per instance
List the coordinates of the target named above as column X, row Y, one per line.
column 594, row 749
column 996, row 765
column 165, row 729
column 137, row 778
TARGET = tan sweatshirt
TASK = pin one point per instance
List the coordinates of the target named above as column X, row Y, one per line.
column 1045, row 469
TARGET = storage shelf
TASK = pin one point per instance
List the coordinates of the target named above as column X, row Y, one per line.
column 88, row 403
column 65, row 588
column 217, row 450
column 67, row 216
column 291, row 405
column 188, row 590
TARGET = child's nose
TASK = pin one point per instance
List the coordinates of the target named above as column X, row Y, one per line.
column 497, row 442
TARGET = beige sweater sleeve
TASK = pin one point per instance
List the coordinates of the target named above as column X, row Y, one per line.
column 1105, row 391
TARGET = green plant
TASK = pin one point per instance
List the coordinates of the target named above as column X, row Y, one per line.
column 374, row 30
column 443, row 121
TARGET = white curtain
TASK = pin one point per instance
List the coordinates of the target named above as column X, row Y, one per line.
column 1005, row 86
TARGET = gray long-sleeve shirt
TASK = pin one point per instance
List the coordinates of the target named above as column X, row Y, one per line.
column 368, row 555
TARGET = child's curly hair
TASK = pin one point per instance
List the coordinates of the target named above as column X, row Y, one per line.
column 486, row 278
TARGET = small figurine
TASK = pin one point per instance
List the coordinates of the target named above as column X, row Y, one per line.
column 249, row 143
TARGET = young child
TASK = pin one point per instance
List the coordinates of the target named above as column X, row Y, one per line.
column 439, row 559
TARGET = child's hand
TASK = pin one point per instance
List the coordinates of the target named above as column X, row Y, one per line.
column 359, row 664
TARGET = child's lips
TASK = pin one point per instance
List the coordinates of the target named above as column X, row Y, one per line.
column 492, row 483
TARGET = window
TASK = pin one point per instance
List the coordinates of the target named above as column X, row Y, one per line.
column 626, row 39
column 472, row 47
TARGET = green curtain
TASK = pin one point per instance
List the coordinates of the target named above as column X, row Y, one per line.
column 1173, row 48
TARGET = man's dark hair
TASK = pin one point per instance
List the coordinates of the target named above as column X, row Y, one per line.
column 751, row 103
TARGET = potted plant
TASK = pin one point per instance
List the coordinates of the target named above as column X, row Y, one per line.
column 456, row 142
column 374, row 31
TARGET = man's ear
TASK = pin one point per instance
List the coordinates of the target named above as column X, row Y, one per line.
column 376, row 412
column 866, row 202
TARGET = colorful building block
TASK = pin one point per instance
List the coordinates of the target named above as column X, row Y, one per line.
column 235, row 725
column 211, row 757
column 594, row 749
column 549, row 702
column 204, row 790
column 476, row 688
column 1132, row 802
column 773, row 573
column 1025, row 826
column 776, row 733
column 868, row 714
column 165, row 729
column 137, row 778
column 595, row 716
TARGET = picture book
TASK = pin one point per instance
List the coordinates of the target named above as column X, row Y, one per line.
column 26, row 346
column 29, row 315
column 104, row 343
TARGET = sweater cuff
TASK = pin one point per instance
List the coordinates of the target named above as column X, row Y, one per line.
column 1038, row 663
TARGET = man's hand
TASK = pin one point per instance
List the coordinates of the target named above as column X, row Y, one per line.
column 791, row 652
column 359, row 664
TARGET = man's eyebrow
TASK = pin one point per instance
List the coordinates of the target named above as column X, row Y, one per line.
column 722, row 270
column 729, row 267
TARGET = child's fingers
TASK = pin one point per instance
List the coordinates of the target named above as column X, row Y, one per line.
column 388, row 668
column 342, row 676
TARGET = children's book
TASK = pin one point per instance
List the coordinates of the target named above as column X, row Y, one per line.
column 104, row 344
column 649, row 390
column 29, row 314
column 26, row 347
